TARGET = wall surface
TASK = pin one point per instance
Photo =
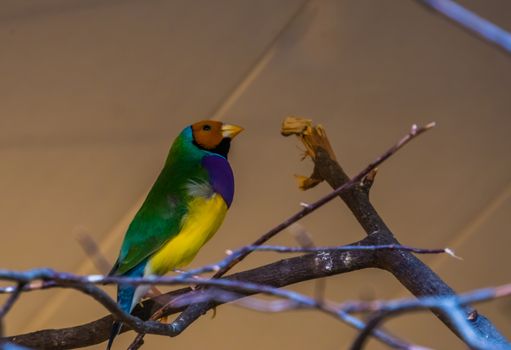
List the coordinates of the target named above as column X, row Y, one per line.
column 92, row 93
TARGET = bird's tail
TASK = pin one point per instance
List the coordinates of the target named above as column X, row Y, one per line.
column 116, row 328
column 127, row 297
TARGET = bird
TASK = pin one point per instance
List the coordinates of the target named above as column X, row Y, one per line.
column 184, row 208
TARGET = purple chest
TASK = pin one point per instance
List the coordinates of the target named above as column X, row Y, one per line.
column 221, row 177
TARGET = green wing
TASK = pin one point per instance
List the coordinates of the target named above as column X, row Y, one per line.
column 155, row 223
column 160, row 217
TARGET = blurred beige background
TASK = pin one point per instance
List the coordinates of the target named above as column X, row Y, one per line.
column 92, row 93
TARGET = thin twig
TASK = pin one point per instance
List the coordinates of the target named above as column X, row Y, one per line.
column 92, row 250
column 329, row 308
column 86, row 284
column 276, row 274
column 48, row 275
column 382, row 309
column 285, row 249
column 450, row 305
column 472, row 22
column 11, row 300
column 29, row 287
column 234, row 255
column 309, row 208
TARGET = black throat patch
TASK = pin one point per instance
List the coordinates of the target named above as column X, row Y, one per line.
column 222, row 148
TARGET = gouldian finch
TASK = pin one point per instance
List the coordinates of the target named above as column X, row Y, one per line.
column 182, row 211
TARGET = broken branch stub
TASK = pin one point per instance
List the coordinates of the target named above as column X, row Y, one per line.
column 313, row 138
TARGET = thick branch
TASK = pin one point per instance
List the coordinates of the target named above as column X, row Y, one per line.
column 417, row 277
column 278, row 274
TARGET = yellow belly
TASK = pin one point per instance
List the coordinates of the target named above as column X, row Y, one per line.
column 204, row 218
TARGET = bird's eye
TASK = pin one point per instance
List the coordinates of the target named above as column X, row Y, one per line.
column 206, row 127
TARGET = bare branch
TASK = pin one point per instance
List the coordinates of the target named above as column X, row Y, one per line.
column 417, row 277
column 85, row 284
column 92, row 250
column 29, row 287
column 285, row 249
column 277, row 274
column 449, row 305
column 11, row 300
column 471, row 22
column 291, row 303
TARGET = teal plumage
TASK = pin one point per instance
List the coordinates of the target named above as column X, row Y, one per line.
column 183, row 209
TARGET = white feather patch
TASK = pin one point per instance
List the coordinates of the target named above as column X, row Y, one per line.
column 199, row 189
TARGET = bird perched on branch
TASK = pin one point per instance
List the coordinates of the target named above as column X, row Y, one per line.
column 184, row 208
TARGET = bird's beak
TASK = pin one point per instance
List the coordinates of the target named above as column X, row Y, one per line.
column 231, row 131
